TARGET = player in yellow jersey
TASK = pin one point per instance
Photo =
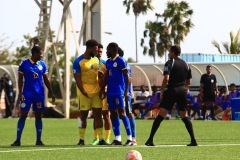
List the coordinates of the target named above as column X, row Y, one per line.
column 85, row 69
column 105, row 111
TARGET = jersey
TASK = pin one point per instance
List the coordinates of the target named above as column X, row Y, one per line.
column 115, row 76
column 130, row 76
column 88, row 68
column 178, row 71
column 33, row 72
column 208, row 81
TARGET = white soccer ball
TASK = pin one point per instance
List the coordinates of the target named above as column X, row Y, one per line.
column 133, row 155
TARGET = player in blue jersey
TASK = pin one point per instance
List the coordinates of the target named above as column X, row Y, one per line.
column 128, row 102
column 34, row 71
column 116, row 92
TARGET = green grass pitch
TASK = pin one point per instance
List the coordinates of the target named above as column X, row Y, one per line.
column 216, row 139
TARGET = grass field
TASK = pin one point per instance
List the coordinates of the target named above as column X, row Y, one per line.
column 217, row 140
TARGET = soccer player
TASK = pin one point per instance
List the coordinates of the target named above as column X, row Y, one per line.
column 128, row 102
column 85, row 69
column 177, row 77
column 105, row 111
column 208, row 86
column 117, row 89
column 34, row 71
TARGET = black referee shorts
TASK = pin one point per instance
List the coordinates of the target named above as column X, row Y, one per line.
column 208, row 96
column 174, row 95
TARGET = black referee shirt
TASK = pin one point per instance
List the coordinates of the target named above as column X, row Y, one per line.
column 178, row 71
column 208, row 82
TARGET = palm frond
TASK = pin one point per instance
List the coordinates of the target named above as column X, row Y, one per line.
column 216, row 44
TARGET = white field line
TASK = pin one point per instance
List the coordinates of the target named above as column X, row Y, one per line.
column 104, row 147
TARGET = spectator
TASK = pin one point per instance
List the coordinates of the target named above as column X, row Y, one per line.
column 141, row 100
column 153, row 102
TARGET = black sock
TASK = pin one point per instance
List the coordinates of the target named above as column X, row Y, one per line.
column 204, row 109
column 189, row 127
column 155, row 126
column 212, row 111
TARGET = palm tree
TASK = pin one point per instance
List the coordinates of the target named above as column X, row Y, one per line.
column 139, row 6
column 171, row 27
column 230, row 48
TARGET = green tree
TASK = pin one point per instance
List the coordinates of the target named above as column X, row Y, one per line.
column 139, row 6
column 5, row 54
column 170, row 27
column 230, row 48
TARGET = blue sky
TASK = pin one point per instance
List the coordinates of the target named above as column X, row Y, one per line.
column 213, row 19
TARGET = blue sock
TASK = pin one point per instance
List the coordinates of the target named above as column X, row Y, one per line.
column 116, row 126
column 20, row 126
column 140, row 110
column 38, row 125
column 133, row 127
column 127, row 125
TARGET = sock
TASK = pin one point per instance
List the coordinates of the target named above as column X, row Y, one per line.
column 38, row 125
column 140, row 110
column 127, row 125
column 95, row 134
column 20, row 126
column 204, row 109
column 116, row 126
column 82, row 133
column 100, row 133
column 155, row 126
column 133, row 127
column 107, row 134
column 189, row 127
column 212, row 111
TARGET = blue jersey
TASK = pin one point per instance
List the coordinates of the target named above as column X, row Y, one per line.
column 33, row 73
column 115, row 76
column 130, row 76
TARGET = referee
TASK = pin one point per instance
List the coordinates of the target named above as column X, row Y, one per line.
column 208, row 86
column 177, row 77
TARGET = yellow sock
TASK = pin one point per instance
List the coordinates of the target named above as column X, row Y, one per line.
column 82, row 132
column 95, row 134
column 108, row 133
column 100, row 132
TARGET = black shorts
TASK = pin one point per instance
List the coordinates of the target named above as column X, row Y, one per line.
column 208, row 97
column 175, row 95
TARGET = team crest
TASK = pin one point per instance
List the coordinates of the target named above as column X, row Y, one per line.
column 40, row 67
column 115, row 64
column 23, row 105
column 117, row 101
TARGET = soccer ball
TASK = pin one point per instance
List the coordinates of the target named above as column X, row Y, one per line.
column 133, row 155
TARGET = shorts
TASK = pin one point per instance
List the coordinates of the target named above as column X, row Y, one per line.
column 174, row 95
column 105, row 105
column 225, row 105
column 115, row 102
column 128, row 105
column 209, row 97
column 34, row 100
column 86, row 104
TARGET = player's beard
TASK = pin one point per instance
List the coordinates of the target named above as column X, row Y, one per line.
column 92, row 54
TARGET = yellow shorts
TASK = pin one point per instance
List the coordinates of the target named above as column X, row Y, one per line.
column 87, row 104
column 105, row 105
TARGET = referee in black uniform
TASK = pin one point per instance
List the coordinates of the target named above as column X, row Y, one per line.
column 208, row 86
column 177, row 77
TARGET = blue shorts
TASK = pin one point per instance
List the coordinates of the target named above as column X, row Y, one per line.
column 115, row 102
column 128, row 105
column 36, row 101
column 225, row 105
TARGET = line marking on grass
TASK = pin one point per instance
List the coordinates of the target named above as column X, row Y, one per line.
column 113, row 147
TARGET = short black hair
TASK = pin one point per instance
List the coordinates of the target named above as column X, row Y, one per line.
column 120, row 52
column 208, row 66
column 113, row 46
column 36, row 49
column 100, row 45
column 232, row 85
column 91, row 43
column 175, row 49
